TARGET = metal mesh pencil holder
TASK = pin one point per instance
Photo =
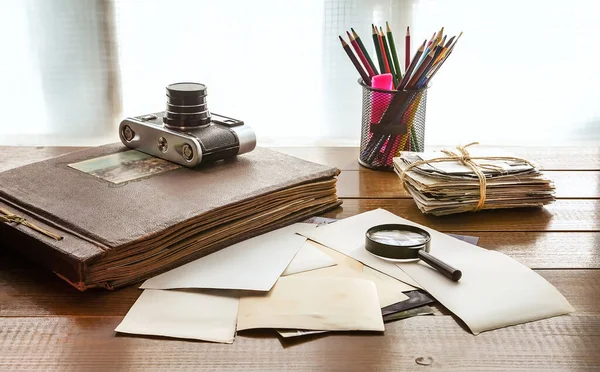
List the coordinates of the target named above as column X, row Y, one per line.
column 392, row 121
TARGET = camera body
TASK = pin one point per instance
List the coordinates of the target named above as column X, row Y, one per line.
column 187, row 133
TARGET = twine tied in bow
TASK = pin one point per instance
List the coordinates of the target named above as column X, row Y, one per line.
column 464, row 158
column 8, row 217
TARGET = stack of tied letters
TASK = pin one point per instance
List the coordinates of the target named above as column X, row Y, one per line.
column 110, row 216
column 443, row 187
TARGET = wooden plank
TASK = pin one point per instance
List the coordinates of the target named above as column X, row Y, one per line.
column 545, row 250
column 373, row 184
column 562, row 215
column 549, row 158
column 561, row 158
column 85, row 343
column 576, row 184
column 569, row 283
column 370, row 185
column 41, row 293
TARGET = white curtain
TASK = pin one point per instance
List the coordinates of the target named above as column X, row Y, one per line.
column 58, row 76
column 523, row 73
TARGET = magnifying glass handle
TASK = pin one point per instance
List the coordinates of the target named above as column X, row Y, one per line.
column 445, row 269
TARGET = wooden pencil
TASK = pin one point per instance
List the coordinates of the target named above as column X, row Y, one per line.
column 361, row 55
column 422, row 67
column 436, row 49
column 447, row 50
column 431, row 40
column 440, row 34
column 422, row 80
column 411, row 128
column 439, row 64
column 430, row 44
column 455, row 41
column 359, row 68
column 364, row 50
column 407, row 49
column 449, row 42
column 414, row 62
column 441, row 43
column 383, row 54
column 378, row 49
column 388, row 56
column 397, row 66
column 439, row 48
column 442, row 53
column 440, row 57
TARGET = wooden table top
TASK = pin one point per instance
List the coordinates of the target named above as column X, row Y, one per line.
column 45, row 324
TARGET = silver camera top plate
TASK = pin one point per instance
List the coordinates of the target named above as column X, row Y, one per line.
column 157, row 140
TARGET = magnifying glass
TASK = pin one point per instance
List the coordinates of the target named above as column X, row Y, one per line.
column 396, row 242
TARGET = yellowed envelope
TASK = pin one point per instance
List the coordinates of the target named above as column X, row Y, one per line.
column 194, row 314
column 308, row 258
column 319, row 303
column 389, row 290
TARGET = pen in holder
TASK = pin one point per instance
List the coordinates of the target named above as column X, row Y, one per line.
column 392, row 121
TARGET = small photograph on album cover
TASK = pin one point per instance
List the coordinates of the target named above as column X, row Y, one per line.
column 124, row 166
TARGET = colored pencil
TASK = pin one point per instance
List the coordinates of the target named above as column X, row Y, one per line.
column 364, row 50
column 446, row 52
column 413, row 137
column 432, row 39
column 449, row 42
column 361, row 55
column 378, row 49
column 359, row 68
column 440, row 34
column 439, row 48
column 397, row 66
column 422, row 80
column 455, row 41
column 383, row 53
column 446, row 49
column 414, row 62
column 438, row 59
column 439, row 56
column 388, row 56
column 407, row 49
column 441, row 62
column 430, row 44
column 441, row 43
column 422, row 67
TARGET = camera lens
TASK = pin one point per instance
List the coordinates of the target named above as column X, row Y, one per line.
column 186, row 106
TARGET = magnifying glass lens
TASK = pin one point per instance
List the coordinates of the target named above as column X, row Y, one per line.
column 398, row 237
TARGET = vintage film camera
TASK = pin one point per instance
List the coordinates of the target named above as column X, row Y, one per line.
column 187, row 133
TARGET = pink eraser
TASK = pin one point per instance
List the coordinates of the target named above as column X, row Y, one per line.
column 383, row 81
column 380, row 100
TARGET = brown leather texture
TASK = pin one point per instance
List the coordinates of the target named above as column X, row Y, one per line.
column 189, row 212
column 116, row 215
